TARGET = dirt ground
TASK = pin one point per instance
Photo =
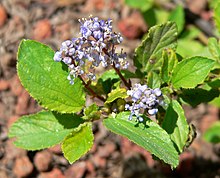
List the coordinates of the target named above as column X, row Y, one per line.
column 51, row 22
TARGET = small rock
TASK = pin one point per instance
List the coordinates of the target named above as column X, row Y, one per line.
column 77, row 170
column 12, row 151
column 3, row 174
column 106, row 150
column 133, row 26
column 4, row 85
column 7, row 60
column 22, row 103
column 55, row 173
column 3, row 16
column 98, row 161
column 90, row 168
column 43, row 160
column 42, row 30
column 63, row 31
column 23, row 167
column 56, row 149
column 16, row 86
column 12, row 119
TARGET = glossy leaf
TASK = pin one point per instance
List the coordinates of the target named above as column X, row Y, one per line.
column 149, row 52
column 148, row 135
column 191, row 72
column 78, row 142
column 92, row 112
column 214, row 48
column 43, row 130
column 176, row 125
column 153, row 80
column 46, row 80
column 169, row 62
column 115, row 94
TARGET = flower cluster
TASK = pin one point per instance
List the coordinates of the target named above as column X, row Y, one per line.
column 95, row 46
column 144, row 99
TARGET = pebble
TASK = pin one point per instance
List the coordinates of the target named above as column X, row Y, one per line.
column 22, row 103
column 22, row 167
column 7, row 60
column 77, row 170
column 15, row 86
column 133, row 26
column 98, row 161
column 56, row 149
column 106, row 150
column 54, row 173
column 43, row 160
column 12, row 151
column 3, row 16
column 11, row 120
column 4, row 85
column 42, row 30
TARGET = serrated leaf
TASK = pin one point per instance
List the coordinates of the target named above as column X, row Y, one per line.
column 43, row 130
column 115, row 94
column 78, row 142
column 92, row 112
column 45, row 79
column 214, row 48
column 176, row 125
column 169, row 62
column 150, row 50
column 217, row 16
column 213, row 133
column 178, row 16
column 153, row 80
column 191, row 72
column 148, row 135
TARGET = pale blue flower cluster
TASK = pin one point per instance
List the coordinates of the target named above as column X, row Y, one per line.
column 144, row 99
column 95, row 46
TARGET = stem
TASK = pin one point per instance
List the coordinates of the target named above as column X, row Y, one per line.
column 127, row 84
column 87, row 85
column 91, row 90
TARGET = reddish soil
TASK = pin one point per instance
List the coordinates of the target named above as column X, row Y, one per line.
column 112, row 156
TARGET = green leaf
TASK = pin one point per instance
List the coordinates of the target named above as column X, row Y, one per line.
column 149, row 52
column 217, row 16
column 178, row 16
column 176, row 125
column 148, row 135
column 43, row 130
column 153, row 80
column 46, row 80
column 143, row 5
column 185, row 47
column 191, row 72
column 197, row 96
column 216, row 102
column 169, row 62
column 213, row 133
column 214, row 48
column 78, row 142
column 115, row 94
column 92, row 112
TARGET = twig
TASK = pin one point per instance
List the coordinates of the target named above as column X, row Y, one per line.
column 127, row 84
